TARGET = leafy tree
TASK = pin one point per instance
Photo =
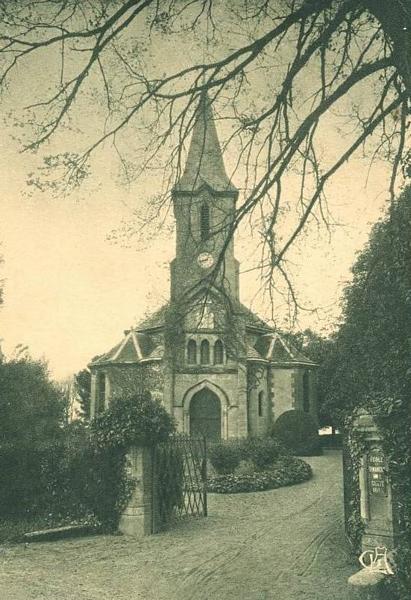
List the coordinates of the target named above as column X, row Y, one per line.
column 83, row 391
column 371, row 356
column 32, row 415
column 305, row 57
column 371, row 360
column 32, row 409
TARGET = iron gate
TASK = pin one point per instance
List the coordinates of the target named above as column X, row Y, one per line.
column 179, row 480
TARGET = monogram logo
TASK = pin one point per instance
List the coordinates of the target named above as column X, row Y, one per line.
column 376, row 560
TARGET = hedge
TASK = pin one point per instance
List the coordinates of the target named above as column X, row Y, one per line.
column 226, row 456
column 287, row 470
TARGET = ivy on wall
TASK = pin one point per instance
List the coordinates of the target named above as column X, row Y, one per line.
column 134, row 420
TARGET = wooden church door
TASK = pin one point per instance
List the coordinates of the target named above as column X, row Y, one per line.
column 205, row 415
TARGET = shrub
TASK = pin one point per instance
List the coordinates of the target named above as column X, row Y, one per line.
column 133, row 420
column 225, row 456
column 298, row 431
column 262, row 451
column 80, row 475
column 288, row 470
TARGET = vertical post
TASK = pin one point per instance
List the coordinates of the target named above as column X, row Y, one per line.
column 204, row 477
column 155, row 500
column 93, row 394
column 364, row 508
column 376, row 500
column 136, row 519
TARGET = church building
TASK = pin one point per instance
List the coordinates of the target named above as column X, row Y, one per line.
column 217, row 367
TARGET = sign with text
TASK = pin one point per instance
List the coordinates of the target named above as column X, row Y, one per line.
column 376, row 473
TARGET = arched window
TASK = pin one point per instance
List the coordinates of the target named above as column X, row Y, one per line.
column 205, row 222
column 192, row 352
column 205, row 352
column 218, row 353
column 306, row 392
column 101, row 393
column 260, row 403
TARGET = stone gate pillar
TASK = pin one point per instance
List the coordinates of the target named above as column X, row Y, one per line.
column 376, row 500
column 137, row 518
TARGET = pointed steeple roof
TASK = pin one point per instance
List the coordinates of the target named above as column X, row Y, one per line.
column 205, row 165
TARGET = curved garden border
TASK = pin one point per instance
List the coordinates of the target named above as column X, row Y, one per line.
column 286, row 471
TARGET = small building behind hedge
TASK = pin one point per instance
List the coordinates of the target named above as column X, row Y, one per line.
column 218, row 368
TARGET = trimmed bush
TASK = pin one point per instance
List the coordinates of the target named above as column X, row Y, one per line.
column 262, row 451
column 288, row 470
column 298, row 431
column 225, row 456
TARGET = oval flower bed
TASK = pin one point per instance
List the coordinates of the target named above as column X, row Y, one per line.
column 287, row 470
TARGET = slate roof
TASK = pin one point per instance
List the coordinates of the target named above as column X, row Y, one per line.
column 138, row 344
column 204, row 165
column 254, row 355
column 281, row 352
column 132, row 349
column 251, row 319
column 157, row 319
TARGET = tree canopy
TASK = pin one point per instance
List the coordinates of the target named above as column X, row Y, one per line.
column 138, row 66
column 82, row 383
column 369, row 368
column 32, row 409
column 369, row 364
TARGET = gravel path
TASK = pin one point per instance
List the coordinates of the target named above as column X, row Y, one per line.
column 283, row 544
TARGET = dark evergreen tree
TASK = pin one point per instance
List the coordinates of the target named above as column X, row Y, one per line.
column 83, row 390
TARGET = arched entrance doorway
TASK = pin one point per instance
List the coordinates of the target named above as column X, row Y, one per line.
column 205, row 415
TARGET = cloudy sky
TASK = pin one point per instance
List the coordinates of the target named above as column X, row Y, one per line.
column 70, row 290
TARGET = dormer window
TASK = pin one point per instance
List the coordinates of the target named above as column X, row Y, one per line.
column 205, row 222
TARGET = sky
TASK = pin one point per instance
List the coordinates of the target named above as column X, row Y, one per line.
column 70, row 290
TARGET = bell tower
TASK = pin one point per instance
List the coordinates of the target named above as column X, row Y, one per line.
column 204, row 207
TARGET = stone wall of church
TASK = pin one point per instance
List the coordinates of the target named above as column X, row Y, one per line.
column 312, row 390
column 129, row 379
column 283, row 390
column 259, row 400
column 185, row 271
column 232, row 390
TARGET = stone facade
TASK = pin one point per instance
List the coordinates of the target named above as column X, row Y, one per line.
column 216, row 366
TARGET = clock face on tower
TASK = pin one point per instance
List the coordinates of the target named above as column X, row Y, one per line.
column 205, row 260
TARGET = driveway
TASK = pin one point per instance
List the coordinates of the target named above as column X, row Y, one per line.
column 286, row 543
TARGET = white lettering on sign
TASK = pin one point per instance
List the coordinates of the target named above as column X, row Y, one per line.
column 376, row 458
column 376, row 469
column 376, row 473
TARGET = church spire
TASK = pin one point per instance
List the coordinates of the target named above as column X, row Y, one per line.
column 205, row 165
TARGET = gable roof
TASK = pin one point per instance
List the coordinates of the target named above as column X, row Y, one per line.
column 281, row 352
column 205, row 164
column 133, row 349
